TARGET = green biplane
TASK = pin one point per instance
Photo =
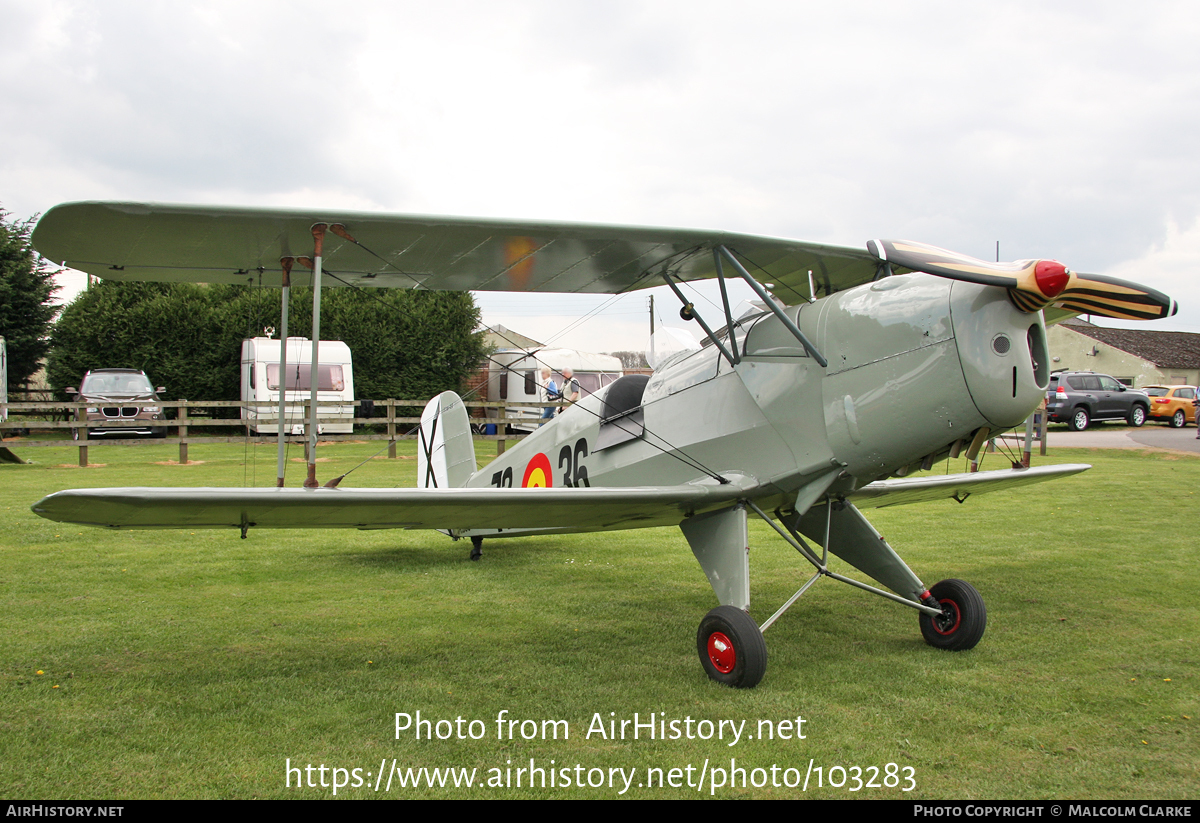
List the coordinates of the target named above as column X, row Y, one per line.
column 858, row 368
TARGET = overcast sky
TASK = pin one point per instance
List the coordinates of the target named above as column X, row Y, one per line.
column 1065, row 130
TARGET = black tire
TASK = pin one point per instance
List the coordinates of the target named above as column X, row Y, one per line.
column 964, row 617
column 1079, row 420
column 1137, row 416
column 1178, row 420
column 732, row 649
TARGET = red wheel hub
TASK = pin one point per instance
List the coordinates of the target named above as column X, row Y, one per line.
column 721, row 653
column 950, row 619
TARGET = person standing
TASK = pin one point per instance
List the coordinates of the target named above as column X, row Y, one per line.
column 570, row 387
column 552, row 393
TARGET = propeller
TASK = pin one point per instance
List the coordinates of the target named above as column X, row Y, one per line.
column 1033, row 284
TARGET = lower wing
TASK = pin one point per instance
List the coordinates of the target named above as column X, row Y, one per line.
column 956, row 486
column 557, row 509
column 583, row 509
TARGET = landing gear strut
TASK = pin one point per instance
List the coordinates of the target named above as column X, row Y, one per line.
column 730, row 644
column 476, row 548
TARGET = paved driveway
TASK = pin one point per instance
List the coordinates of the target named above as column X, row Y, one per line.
column 1097, row 437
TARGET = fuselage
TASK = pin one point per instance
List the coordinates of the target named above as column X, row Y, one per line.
column 915, row 363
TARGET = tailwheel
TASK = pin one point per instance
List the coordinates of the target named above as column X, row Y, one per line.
column 962, row 621
column 732, row 649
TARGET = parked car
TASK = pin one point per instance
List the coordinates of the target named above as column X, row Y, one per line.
column 120, row 395
column 1080, row 398
column 1175, row 404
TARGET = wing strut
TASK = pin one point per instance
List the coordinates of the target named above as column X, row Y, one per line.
column 286, row 264
column 773, row 306
column 732, row 354
column 688, row 312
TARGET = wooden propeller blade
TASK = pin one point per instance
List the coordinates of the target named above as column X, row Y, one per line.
column 1032, row 284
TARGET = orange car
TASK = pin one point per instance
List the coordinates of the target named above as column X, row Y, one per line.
column 1172, row 403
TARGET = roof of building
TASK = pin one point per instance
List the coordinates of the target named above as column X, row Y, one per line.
column 501, row 338
column 1165, row 349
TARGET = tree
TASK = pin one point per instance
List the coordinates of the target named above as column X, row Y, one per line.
column 25, row 291
column 405, row 344
column 632, row 359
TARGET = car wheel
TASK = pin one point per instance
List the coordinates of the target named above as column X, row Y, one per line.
column 1178, row 419
column 1137, row 416
column 1079, row 420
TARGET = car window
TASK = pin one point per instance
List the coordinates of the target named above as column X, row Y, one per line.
column 1091, row 382
column 116, row 384
column 1109, row 384
column 1155, row 391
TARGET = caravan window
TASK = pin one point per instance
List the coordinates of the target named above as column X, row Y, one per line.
column 530, row 386
column 588, row 383
column 329, row 377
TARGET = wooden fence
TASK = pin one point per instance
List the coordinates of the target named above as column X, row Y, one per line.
column 191, row 414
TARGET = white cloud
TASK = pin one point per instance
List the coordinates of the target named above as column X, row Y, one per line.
column 1171, row 265
column 1062, row 131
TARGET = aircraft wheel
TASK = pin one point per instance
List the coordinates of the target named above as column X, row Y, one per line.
column 732, row 649
column 1079, row 420
column 1178, row 421
column 963, row 618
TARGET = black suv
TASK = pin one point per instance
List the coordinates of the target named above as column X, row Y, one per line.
column 1079, row 397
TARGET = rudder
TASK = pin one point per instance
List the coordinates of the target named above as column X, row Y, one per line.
column 445, row 449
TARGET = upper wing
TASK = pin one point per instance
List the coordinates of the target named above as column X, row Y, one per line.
column 211, row 244
column 555, row 509
column 922, row 489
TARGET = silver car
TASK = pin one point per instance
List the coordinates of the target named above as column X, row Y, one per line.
column 120, row 395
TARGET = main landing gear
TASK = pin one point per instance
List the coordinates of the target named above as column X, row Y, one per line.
column 731, row 646
column 962, row 621
column 732, row 649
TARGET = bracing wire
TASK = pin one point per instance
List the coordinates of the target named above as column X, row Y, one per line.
column 671, row 450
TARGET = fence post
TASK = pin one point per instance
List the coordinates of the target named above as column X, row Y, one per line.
column 83, row 436
column 391, row 418
column 183, row 416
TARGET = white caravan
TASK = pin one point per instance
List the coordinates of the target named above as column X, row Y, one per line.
column 516, row 374
column 260, row 385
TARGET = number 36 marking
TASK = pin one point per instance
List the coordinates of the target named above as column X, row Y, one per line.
column 570, row 464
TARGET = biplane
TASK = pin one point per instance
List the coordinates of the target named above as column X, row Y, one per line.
column 856, row 369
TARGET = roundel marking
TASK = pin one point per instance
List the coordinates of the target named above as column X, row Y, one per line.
column 537, row 473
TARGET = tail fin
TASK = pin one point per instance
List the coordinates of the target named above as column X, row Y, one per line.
column 445, row 451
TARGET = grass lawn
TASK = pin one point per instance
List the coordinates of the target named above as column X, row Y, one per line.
column 199, row 665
